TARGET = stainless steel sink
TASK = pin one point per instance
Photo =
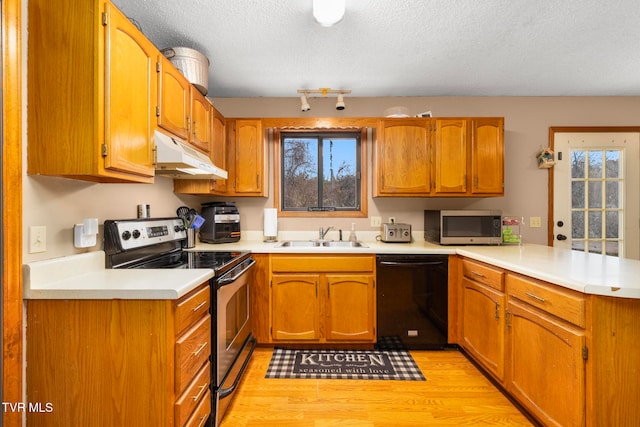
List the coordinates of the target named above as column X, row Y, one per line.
column 342, row 244
column 319, row 244
column 298, row 244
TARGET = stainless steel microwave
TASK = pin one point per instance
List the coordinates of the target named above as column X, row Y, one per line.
column 463, row 227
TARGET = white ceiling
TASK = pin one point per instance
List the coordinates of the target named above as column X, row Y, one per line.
column 271, row 48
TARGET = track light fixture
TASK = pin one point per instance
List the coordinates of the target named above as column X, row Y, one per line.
column 304, row 103
column 323, row 91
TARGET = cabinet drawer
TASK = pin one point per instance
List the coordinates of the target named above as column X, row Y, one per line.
column 186, row 403
column 201, row 413
column 191, row 308
column 318, row 264
column 563, row 303
column 484, row 274
column 192, row 352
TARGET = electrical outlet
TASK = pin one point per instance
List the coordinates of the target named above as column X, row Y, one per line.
column 392, row 219
column 376, row 221
column 535, row 222
column 37, row 239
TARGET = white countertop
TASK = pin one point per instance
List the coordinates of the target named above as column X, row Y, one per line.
column 85, row 277
column 583, row 272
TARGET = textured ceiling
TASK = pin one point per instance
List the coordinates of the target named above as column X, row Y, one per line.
column 271, row 48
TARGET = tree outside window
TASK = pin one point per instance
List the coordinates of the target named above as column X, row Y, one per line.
column 320, row 172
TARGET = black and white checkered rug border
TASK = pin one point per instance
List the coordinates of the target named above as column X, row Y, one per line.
column 282, row 364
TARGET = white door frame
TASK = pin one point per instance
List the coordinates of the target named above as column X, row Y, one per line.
column 573, row 129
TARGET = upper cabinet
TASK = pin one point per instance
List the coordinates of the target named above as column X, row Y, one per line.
column 459, row 157
column 247, row 168
column 92, row 91
column 487, row 156
column 401, row 159
column 182, row 109
column 450, row 141
column 241, row 143
column 174, row 99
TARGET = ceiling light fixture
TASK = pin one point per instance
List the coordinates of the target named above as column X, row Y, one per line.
column 323, row 91
column 328, row 12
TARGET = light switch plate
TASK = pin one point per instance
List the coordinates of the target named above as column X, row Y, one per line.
column 535, row 222
column 37, row 239
column 376, row 221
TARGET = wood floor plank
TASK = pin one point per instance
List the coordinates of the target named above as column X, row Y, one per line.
column 455, row 394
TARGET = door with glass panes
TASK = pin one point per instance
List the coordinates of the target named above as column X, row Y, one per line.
column 596, row 193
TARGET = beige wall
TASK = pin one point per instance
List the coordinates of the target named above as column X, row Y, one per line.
column 59, row 203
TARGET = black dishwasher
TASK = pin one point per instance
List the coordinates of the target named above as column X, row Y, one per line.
column 412, row 301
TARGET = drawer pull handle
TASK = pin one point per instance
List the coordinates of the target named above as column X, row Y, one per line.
column 202, row 389
column 202, row 347
column 478, row 274
column 202, row 419
column 535, row 297
column 199, row 306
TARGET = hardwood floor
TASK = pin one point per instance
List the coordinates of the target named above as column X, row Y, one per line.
column 455, row 394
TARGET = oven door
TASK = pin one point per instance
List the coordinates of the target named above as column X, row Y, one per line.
column 233, row 334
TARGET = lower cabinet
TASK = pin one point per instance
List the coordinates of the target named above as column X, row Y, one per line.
column 546, row 369
column 120, row 362
column 483, row 314
column 320, row 299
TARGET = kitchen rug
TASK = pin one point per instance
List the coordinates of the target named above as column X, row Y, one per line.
column 343, row 364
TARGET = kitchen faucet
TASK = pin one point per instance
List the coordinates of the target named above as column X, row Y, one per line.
column 323, row 232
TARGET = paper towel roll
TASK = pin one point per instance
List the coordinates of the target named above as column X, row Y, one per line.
column 270, row 225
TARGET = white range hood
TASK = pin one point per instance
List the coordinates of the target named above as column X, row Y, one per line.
column 175, row 159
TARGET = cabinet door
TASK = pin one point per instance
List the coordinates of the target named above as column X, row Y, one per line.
column 174, row 92
column 402, row 162
column 200, row 121
column 350, row 308
column 218, row 148
column 546, row 369
column 483, row 325
column 450, row 149
column 487, row 156
column 295, row 309
column 249, row 158
column 130, row 97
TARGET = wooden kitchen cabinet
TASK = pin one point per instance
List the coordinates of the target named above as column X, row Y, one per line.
column 546, row 351
column 182, row 109
column 246, row 158
column 439, row 157
column 401, row 162
column 450, row 141
column 92, row 93
column 483, row 316
column 296, row 307
column 120, row 362
column 200, row 136
column 487, row 156
column 320, row 299
column 174, row 93
column 569, row 358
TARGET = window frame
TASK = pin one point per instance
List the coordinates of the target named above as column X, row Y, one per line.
column 363, row 180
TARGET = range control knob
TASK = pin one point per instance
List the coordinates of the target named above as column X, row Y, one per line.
column 178, row 228
column 126, row 235
column 136, row 234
